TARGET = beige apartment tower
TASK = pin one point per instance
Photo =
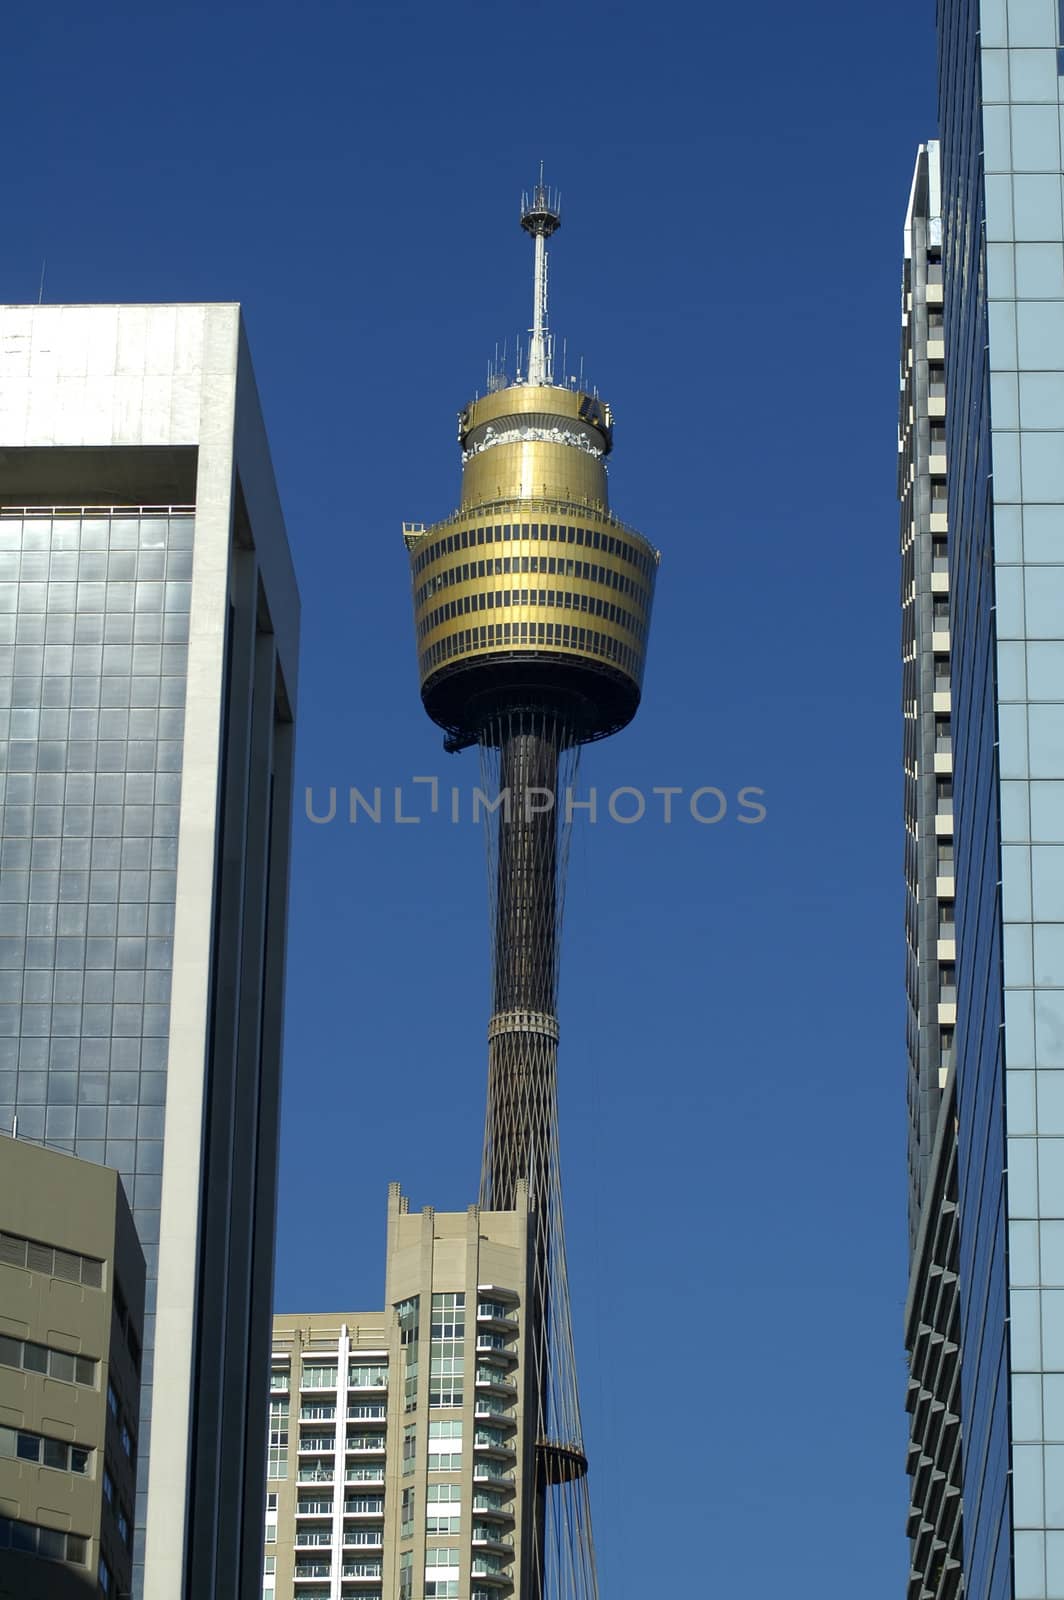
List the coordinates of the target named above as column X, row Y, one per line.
column 71, row 1331
column 398, row 1449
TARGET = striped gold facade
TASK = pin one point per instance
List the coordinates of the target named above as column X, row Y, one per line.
column 533, row 565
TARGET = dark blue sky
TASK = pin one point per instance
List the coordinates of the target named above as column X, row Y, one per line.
column 733, row 1070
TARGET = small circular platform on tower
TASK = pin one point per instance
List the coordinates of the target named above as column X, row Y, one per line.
column 541, row 211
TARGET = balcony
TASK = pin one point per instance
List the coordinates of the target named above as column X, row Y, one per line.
column 497, row 1346
column 313, row 1536
column 314, row 1508
column 495, row 1378
column 365, row 1444
column 487, row 1538
column 362, row 1569
column 312, row 1569
column 366, row 1413
column 314, row 1475
column 373, row 1474
column 491, row 1506
column 491, row 1473
column 363, row 1538
column 492, row 1569
column 317, row 1444
column 493, row 1443
column 496, row 1412
column 493, row 1314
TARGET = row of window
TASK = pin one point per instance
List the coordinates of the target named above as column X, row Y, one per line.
column 70, row 597
column 122, row 1423
column 29, row 1357
column 360, row 1375
column 507, row 599
column 638, row 555
column 19, row 1444
column 94, row 566
column 122, row 1521
column 511, row 635
column 51, row 1544
column 556, row 566
column 66, row 1264
column 121, row 1309
column 359, row 1506
column 88, row 692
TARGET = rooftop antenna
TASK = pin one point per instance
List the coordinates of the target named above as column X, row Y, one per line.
column 540, row 216
column 40, row 292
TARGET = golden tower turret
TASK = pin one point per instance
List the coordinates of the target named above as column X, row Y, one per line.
column 532, row 588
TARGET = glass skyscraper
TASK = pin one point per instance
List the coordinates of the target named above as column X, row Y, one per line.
column 1002, row 252
column 148, row 638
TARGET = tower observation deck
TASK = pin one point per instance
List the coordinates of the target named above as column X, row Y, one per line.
column 532, row 605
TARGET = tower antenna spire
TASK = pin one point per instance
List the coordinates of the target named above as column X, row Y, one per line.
column 540, row 216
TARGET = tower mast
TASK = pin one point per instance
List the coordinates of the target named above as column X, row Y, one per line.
column 532, row 606
column 540, row 216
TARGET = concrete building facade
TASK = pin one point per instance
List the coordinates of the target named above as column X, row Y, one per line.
column 71, row 1352
column 148, row 641
column 398, row 1447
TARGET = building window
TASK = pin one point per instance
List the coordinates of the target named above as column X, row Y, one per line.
column 447, row 1353
column 28, row 1538
column 277, row 1463
column 409, row 1315
column 445, row 1446
column 443, row 1509
column 279, row 1380
column 103, row 1574
column 367, row 1375
column 319, row 1377
column 21, row 1445
column 441, row 1556
column 30, row 1357
column 409, row 1448
column 406, row 1575
column 406, row 1522
column 67, row 1264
